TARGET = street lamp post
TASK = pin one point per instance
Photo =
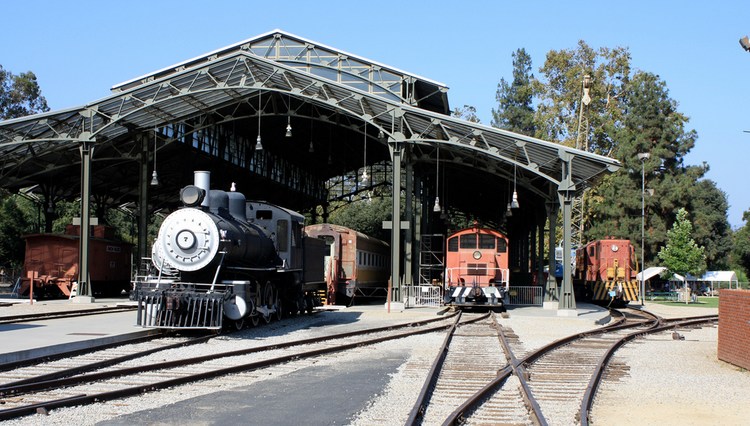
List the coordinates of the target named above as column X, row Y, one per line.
column 643, row 156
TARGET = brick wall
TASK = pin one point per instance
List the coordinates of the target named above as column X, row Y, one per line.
column 734, row 327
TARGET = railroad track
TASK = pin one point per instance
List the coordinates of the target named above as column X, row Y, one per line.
column 12, row 319
column 42, row 394
column 554, row 384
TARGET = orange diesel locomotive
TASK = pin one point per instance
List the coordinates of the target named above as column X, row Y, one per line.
column 606, row 271
column 476, row 268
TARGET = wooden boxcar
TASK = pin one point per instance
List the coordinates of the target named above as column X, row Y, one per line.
column 51, row 263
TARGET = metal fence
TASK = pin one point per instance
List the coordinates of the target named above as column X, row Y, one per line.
column 422, row 295
column 526, row 295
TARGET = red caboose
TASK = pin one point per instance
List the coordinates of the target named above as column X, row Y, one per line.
column 606, row 272
column 476, row 268
column 51, row 263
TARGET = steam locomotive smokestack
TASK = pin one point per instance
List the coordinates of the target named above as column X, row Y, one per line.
column 202, row 180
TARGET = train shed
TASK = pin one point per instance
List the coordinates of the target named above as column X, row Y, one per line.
column 284, row 117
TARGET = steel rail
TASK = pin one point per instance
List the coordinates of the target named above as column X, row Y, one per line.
column 588, row 397
column 470, row 404
column 32, row 385
column 134, row 390
column 8, row 388
column 417, row 412
column 531, row 404
column 67, row 354
column 12, row 319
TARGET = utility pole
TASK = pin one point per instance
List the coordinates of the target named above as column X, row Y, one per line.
column 582, row 143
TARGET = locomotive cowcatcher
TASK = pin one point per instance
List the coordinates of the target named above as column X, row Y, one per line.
column 476, row 268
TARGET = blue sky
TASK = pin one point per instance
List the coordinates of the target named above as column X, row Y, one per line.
column 79, row 49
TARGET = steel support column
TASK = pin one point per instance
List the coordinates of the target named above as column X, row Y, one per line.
column 84, row 293
column 551, row 296
column 540, row 257
column 409, row 212
column 396, row 149
column 566, row 193
column 143, row 183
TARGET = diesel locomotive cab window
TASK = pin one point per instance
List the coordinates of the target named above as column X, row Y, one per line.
column 453, row 244
column 502, row 246
column 468, row 241
column 282, row 235
column 486, row 241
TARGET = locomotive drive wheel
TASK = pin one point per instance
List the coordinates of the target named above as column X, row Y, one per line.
column 255, row 320
column 239, row 324
column 279, row 307
column 267, row 300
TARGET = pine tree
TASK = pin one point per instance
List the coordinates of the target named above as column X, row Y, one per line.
column 515, row 111
column 682, row 255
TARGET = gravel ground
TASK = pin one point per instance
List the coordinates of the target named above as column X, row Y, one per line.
column 666, row 381
column 675, row 382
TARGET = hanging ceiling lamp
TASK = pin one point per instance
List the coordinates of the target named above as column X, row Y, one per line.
column 365, row 177
column 312, row 148
column 289, row 120
column 258, row 145
column 154, row 175
column 437, row 208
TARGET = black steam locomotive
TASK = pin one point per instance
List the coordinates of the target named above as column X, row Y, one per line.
column 221, row 257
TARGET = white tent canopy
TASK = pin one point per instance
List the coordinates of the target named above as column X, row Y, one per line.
column 651, row 272
column 713, row 276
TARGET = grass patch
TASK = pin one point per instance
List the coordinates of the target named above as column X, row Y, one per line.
column 703, row 302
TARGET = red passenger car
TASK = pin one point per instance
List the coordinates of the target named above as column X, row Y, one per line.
column 357, row 265
column 476, row 268
column 606, row 272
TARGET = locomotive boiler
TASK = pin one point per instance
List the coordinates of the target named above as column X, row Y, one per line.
column 476, row 268
column 605, row 272
column 221, row 257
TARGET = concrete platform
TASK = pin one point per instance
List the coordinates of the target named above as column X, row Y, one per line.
column 25, row 341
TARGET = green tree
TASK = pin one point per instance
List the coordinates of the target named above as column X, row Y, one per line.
column 515, row 100
column 708, row 206
column 562, row 115
column 682, row 255
column 468, row 113
column 741, row 246
column 13, row 225
column 651, row 123
column 20, row 95
column 366, row 216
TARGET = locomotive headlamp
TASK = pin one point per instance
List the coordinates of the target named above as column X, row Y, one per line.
column 615, row 248
column 192, row 196
column 477, row 255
